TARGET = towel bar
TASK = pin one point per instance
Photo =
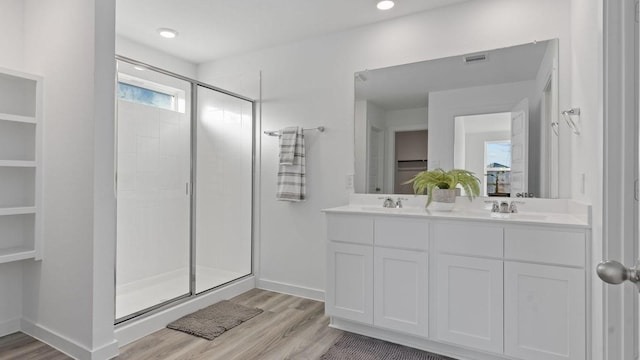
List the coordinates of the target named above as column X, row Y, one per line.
column 277, row 132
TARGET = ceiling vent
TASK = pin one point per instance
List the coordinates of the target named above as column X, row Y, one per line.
column 476, row 58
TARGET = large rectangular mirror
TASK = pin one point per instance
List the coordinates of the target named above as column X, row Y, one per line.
column 493, row 112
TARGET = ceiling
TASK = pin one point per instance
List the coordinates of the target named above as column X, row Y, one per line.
column 213, row 29
column 408, row 86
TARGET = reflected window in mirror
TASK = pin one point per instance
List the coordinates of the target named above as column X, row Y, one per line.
column 482, row 145
column 497, row 171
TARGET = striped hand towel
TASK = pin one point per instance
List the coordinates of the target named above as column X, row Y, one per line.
column 288, row 138
column 291, row 176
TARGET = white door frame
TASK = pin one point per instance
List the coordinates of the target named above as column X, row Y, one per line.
column 620, row 303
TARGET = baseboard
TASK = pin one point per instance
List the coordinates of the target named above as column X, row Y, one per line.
column 9, row 327
column 66, row 345
column 300, row 291
column 138, row 328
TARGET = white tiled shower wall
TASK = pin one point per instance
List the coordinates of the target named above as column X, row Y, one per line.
column 153, row 204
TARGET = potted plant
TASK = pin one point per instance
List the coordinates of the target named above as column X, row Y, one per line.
column 441, row 186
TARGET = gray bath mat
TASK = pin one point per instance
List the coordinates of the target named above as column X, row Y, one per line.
column 356, row 347
column 212, row 321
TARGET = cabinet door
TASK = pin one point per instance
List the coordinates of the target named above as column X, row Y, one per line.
column 349, row 292
column 401, row 290
column 470, row 300
column 544, row 312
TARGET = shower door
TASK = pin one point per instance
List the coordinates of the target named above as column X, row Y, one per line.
column 153, row 195
column 223, row 188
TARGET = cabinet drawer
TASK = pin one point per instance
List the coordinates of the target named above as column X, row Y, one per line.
column 402, row 233
column 350, row 228
column 549, row 246
column 466, row 239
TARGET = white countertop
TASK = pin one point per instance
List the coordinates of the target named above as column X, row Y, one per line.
column 543, row 211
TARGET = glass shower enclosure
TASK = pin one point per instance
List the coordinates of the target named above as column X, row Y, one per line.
column 184, row 188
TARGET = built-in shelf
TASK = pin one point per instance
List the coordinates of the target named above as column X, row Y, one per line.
column 15, row 254
column 17, row 210
column 18, row 118
column 17, row 163
column 20, row 166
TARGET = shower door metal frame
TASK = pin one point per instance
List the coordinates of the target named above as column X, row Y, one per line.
column 192, row 192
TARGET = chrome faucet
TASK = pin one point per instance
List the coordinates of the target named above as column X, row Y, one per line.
column 495, row 207
column 513, row 207
column 388, row 202
column 399, row 202
column 504, row 207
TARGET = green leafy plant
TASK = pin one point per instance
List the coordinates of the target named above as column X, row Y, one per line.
column 426, row 181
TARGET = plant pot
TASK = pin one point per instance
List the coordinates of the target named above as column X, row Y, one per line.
column 443, row 199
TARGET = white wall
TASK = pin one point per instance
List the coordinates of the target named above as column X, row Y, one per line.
column 399, row 120
column 405, row 118
column 367, row 115
column 150, row 56
column 12, row 34
column 588, row 149
column 376, row 118
column 543, row 169
column 444, row 106
column 68, row 297
column 10, row 298
column 11, row 57
column 310, row 83
column 360, row 145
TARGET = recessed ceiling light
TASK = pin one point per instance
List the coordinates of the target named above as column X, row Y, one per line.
column 140, row 68
column 167, row 33
column 385, row 4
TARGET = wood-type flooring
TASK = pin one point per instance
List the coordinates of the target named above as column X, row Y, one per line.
column 289, row 328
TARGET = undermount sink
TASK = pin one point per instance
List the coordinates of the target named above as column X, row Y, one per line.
column 504, row 216
column 391, row 210
column 519, row 216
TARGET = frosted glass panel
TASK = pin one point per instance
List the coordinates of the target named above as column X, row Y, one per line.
column 223, row 189
column 153, row 209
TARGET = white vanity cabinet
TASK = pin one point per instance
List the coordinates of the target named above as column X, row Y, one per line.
column 469, row 285
column 401, row 265
column 377, row 274
column 350, row 270
column 517, row 290
column 545, row 306
column 349, row 292
column 481, row 289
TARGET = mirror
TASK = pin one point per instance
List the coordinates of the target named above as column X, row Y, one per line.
column 493, row 112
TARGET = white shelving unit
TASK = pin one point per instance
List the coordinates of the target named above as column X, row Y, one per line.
column 20, row 166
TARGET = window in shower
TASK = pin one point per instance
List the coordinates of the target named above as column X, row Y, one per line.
column 146, row 92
